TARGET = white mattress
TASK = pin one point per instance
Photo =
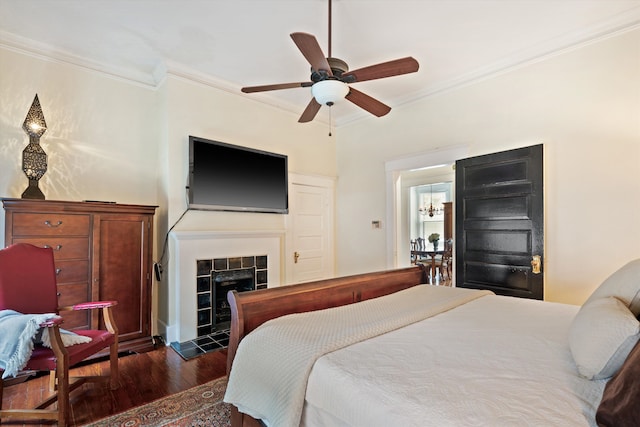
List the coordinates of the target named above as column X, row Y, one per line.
column 495, row 361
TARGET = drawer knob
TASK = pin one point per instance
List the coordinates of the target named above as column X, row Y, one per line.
column 58, row 270
column 57, row 248
column 58, row 294
column 49, row 224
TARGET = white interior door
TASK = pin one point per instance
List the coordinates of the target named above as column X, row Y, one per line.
column 310, row 253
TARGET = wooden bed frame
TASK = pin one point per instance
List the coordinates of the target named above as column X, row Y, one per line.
column 251, row 309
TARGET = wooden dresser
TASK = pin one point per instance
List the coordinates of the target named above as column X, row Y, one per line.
column 102, row 251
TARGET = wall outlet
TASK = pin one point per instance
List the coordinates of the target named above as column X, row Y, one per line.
column 376, row 224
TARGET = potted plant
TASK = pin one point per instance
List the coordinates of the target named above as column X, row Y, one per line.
column 434, row 238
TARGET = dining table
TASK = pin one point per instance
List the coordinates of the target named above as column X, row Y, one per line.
column 431, row 253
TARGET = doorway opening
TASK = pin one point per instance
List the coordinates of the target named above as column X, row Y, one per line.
column 429, row 168
column 426, row 210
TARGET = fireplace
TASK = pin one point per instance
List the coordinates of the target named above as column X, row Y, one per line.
column 223, row 281
column 194, row 256
column 217, row 277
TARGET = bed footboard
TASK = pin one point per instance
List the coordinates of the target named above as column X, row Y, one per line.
column 251, row 309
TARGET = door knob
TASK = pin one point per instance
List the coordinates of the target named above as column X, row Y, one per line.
column 536, row 262
column 296, row 255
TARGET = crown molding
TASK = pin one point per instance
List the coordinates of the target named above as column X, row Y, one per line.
column 51, row 53
column 623, row 22
column 620, row 24
column 188, row 74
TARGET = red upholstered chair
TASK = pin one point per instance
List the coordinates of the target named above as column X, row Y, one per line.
column 28, row 286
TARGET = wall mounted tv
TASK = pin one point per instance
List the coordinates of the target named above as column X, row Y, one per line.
column 232, row 178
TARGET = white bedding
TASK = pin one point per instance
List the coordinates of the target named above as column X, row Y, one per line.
column 272, row 363
column 495, row 361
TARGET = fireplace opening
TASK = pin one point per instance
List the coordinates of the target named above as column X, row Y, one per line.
column 214, row 278
column 241, row 280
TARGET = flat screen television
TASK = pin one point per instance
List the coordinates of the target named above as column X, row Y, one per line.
column 228, row 177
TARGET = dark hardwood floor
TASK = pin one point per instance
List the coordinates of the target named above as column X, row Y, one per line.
column 143, row 378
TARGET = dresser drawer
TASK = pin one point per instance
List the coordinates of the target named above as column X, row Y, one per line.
column 72, row 272
column 50, row 224
column 63, row 247
column 70, row 295
column 74, row 320
column 73, row 294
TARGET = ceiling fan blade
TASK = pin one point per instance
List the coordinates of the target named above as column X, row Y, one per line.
column 384, row 69
column 251, row 89
column 310, row 112
column 368, row 103
column 311, row 50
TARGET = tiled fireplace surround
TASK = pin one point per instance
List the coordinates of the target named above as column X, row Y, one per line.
column 195, row 253
column 248, row 273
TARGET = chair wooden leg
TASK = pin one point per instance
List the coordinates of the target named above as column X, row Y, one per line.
column 427, row 267
column 114, row 380
column 60, row 380
column 114, row 374
column 63, row 391
column 53, row 381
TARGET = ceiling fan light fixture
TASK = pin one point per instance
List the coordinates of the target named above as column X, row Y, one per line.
column 330, row 77
column 327, row 92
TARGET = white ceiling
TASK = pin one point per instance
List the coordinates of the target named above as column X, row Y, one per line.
column 235, row 43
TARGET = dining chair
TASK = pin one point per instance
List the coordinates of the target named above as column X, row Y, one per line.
column 414, row 247
column 445, row 263
column 27, row 292
column 421, row 245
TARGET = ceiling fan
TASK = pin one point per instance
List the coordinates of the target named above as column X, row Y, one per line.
column 331, row 78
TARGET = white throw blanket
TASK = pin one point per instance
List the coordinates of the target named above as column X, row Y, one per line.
column 17, row 333
column 270, row 370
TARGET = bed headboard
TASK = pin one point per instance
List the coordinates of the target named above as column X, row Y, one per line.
column 251, row 309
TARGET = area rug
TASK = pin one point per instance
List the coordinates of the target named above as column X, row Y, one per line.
column 198, row 406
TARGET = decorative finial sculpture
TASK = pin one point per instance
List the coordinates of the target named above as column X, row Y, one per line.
column 34, row 159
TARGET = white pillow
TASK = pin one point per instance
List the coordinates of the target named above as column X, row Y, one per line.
column 624, row 284
column 601, row 337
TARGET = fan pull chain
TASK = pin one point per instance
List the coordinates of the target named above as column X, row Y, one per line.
column 330, row 121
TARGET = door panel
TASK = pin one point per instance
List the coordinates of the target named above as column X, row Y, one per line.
column 499, row 222
column 310, row 214
column 516, row 207
column 122, row 258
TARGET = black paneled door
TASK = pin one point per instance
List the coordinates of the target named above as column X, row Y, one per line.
column 499, row 222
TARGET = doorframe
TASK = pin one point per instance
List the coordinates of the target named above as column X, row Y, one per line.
column 393, row 168
column 328, row 183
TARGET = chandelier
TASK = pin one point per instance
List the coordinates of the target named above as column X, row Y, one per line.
column 431, row 211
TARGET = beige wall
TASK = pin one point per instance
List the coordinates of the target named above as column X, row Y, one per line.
column 101, row 138
column 112, row 139
column 583, row 105
column 199, row 110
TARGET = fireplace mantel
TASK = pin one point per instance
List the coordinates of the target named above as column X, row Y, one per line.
column 186, row 247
